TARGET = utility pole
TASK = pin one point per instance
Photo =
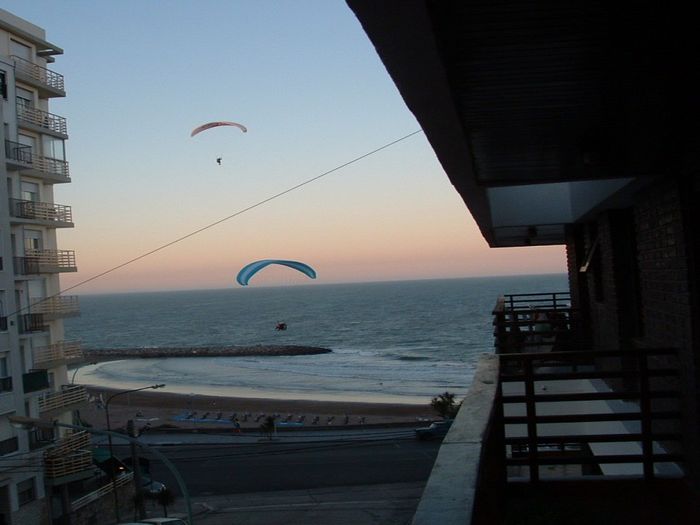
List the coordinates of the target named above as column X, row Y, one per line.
column 136, row 465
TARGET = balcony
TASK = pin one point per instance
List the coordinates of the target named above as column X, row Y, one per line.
column 49, row 83
column 71, row 396
column 45, row 261
column 56, row 307
column 35, row 381
column 42, row 121
column 59, row 353
column 31, row 323
column 536, row 322
column 20, row 156
column 71, row 457
column 44, row 213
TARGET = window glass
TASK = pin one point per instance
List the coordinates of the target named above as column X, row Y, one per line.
column 30, row 191
column 25, row 491
column 54, row 148
column 25, row 98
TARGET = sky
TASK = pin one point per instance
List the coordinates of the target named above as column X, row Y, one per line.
column 304, row 79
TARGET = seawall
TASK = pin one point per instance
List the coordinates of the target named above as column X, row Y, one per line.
column 108, row 354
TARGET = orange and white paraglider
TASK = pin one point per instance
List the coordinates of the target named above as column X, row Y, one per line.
column 210, row 125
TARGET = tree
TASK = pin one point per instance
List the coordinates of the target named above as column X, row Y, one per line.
column 165, row 497
column 444, row 404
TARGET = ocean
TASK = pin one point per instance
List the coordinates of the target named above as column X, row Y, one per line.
column 399, row 342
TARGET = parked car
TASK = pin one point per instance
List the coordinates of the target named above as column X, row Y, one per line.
column 150, row 486
column 437, row 429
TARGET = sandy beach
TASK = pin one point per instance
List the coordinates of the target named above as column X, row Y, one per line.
column 214, row 413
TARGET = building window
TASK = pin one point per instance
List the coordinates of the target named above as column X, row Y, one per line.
column 8, row 446
column 26, row 491
column 3, row 85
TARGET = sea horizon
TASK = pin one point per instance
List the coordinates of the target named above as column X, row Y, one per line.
column 391, row 341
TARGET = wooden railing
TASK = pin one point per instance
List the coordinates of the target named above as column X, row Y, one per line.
column 59, row 351
column 122, row 480
column 57, row 306
column 559, row 409
column 38, row 74
column 41, row 211
column 70, row 395
column 531, row 322
column 71, row 455
column 41, row 119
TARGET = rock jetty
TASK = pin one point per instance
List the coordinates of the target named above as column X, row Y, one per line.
column 108, row 354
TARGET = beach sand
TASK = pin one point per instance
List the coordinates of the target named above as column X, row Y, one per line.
column 157, row 409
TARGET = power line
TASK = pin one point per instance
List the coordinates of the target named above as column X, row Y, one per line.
column 224, row 219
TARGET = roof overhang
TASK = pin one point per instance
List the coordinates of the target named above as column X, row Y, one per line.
column 541, row 113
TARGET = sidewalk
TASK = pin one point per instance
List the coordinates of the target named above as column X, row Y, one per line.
column 392, row 504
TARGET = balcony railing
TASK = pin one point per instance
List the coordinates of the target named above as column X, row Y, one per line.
column 531, row 322
column 71, row 455
column 42, row 120
column 122, row 480
column 56, row 214
column 560, row 410
column 54, row 169
column 35, row 380
column 70, row 395
column 60, row 352
column 45, row 261
column 30, row 323
column 17, row 152
column 24, row 69
column 6, row 384
column 57, row 307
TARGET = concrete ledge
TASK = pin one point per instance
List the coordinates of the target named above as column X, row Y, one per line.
column 449, row 495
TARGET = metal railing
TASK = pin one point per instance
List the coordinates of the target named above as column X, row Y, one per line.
column 18, row 152
column 35, row 380
column 41, row 211
column 56, row 306
column 45, row 261
column 70, row 395
column 29, row 323
column 122, row 480
column 46, row 77
column 71, row 455
column 529, row 322
column 558, row 409
column 59, row 351
column 23, row 155
column 41, row 119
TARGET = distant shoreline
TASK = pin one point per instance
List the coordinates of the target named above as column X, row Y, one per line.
column 108, row 354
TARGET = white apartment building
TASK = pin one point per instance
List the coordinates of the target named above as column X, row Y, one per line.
column 36, row 467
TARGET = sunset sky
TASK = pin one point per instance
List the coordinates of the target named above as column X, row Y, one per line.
column 305, row 80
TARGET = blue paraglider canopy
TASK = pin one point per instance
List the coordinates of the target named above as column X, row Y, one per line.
column 251, row 269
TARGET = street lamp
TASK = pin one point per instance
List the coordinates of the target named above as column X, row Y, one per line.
column 28, row 423
column 109, row 440
column 72, row 379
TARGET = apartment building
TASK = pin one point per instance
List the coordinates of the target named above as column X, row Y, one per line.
column 34, row 354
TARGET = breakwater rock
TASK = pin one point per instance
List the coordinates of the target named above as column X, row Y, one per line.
column 106, row 354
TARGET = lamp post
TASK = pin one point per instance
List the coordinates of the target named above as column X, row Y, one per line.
column 72, row 379
column 109, row 440
column 27, row 423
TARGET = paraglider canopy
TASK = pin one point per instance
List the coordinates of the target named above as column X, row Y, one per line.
column 251, row 269
column 209, row 125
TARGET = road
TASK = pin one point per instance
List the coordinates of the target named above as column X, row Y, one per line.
column 295, row 462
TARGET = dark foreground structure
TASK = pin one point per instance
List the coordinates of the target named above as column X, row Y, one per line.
column 570, row 123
